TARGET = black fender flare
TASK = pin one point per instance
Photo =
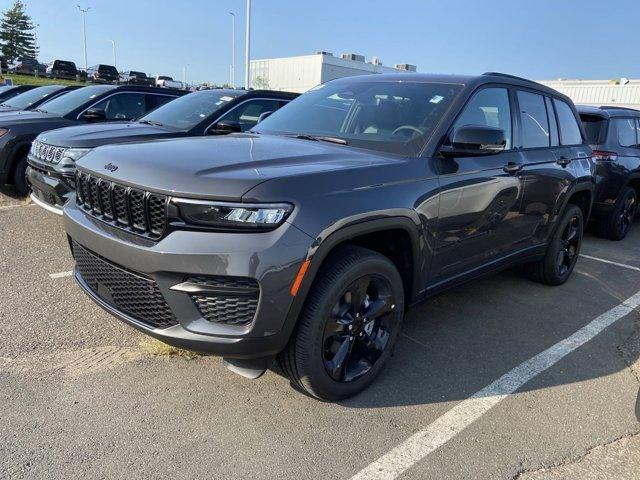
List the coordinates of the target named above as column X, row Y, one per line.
column 12, row 154
column 322, row 247
column 584, row 186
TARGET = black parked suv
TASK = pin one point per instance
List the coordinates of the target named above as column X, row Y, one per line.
column 211, row 112
column 136, row 78
column 95, row 103
column 614, row 135
column 308, row 237
column 102, row 74
column 32, row 99
column 62, row 69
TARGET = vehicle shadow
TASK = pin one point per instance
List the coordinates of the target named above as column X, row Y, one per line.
column 456, row 343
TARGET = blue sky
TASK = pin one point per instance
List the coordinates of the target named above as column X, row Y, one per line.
column 541, row 39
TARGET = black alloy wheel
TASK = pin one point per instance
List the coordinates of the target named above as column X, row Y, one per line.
column 569, row 246
column 359, row 329
column 626, row 215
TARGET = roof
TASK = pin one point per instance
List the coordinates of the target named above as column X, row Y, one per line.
column 489, row 77
column 608, row 111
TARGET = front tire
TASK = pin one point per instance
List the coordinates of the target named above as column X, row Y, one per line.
column 347, row 329
column 563, row 251
column 20, row 176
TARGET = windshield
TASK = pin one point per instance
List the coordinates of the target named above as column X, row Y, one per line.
column 28, row 98
column 70, row 101
column 395, row 117
column 186, row 112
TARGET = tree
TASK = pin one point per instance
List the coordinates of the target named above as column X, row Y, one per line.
column 17, row 36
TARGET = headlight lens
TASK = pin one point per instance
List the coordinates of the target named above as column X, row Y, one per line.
column 225, row 215
column 76, row 154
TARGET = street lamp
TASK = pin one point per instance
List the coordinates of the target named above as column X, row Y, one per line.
column 233, row 50
column 113, row 43
column 84, row 33
column 247, row 51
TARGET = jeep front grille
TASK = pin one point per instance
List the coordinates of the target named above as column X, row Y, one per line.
column 137, row 211
column 130, row 292
column 47, row 153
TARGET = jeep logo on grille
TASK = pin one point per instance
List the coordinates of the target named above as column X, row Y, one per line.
column 111, row 167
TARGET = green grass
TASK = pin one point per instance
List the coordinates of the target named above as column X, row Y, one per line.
column 32, row 80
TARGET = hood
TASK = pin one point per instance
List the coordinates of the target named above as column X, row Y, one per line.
column 28, row 116
column 94, row 135
column 222, row 168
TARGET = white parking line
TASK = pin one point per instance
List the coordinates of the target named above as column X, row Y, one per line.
column 61, row 274
column 623, row 265
column 392, row 464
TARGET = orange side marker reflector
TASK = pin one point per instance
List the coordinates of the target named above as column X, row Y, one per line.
column 296, row 283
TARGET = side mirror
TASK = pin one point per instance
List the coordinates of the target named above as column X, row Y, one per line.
column 475, row 140
column 94, row 115
column 263, row 115
column 224, row 127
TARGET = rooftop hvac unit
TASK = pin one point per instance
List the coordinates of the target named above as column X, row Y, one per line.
column 406, row 66
column 328, row 54
column 354, row 57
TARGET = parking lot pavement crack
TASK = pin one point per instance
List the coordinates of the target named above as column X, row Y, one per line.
column 618, row 459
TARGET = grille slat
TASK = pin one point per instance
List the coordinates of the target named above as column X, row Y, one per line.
column 138, row 211
column 130, row 292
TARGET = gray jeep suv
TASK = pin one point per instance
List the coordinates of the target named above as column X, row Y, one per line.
column 308, row 237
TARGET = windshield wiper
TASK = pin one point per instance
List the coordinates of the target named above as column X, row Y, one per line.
column 41, row 110
column 4, row 105
column 320, row 138
column 151, row 122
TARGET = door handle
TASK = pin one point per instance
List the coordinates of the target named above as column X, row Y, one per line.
column 563, row 161
column 512, row 168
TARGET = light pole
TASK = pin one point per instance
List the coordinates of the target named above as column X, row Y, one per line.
column 233, row 50
column 113, row 43
column 84, row 33
column 247, row 51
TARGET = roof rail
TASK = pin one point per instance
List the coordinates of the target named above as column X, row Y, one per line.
column 498, row 74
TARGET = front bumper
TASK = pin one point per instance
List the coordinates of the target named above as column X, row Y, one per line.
column 270, row 258
column 50, row 188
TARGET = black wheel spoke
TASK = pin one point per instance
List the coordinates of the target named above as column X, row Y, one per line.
column 359, row 293
column 377, row 308
column 339, row 362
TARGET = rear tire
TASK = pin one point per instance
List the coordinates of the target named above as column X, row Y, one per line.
column 348, row 326
column 563, row 251
column 19, row 176
column 618, row 223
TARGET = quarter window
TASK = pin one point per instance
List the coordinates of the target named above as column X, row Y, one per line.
column 489, row 107
column 569, row 129
column 626, row 128
column 533, row 116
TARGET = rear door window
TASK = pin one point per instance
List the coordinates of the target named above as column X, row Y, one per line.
column 569, row 129
column 594, row 128
column 534, row 120
column 626, row 128
column 489, row 107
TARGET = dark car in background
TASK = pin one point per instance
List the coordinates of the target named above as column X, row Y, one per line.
column 25, row 66
column 614, row 135
column 96, row 103
column 102, row 74
column 31, row 99
column 210, row 112
column 132, row 77
column 308, row 237
column 65, row 69
column 10, row 91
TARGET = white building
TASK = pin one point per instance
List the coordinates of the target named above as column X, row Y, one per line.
column 623, row 92
column 299, row 74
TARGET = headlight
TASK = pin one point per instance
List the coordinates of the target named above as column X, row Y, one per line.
column 231, row 216
column 75, row 154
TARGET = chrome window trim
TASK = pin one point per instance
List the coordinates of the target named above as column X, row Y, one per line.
column 121, row 93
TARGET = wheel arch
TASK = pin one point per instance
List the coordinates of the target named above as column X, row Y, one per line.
column 407, row 234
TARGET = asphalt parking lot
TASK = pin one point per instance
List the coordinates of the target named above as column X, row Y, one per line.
column 82, row 398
